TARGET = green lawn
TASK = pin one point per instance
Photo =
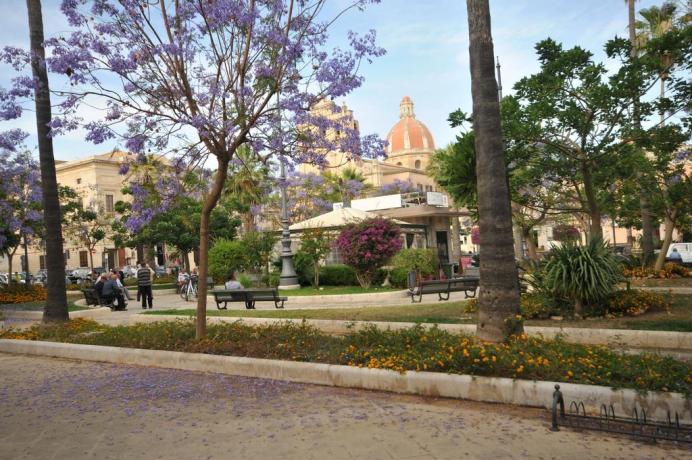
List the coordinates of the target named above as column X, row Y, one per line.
column 334, row 290
column 679, row 318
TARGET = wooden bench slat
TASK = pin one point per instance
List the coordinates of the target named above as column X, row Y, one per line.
column 248, row 296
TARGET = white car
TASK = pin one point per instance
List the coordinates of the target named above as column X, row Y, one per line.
column 685, row 251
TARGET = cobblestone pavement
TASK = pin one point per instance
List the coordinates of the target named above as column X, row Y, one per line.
column 62, row 409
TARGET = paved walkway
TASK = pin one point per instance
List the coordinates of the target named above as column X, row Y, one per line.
column 56, row 409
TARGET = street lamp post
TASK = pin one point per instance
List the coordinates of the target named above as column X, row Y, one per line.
column 288, row 278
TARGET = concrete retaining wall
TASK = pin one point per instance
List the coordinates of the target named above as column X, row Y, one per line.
column 488, row 389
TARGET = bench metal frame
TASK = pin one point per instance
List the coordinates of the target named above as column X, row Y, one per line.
column 443, row 288
column 92, row 298
column 248, row 296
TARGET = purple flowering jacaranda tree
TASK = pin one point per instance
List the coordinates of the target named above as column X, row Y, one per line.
column 20, row 202
column 196, row 80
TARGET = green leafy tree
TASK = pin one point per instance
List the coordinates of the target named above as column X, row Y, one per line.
column 86, row 225
column 226, row 257
column 578, row 119
column 315, row 245
column 258, row 249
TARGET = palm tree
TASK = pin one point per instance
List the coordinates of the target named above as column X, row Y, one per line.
column 644, row 204
column 498, row 303
column 657, row 22
column 246, row 186
column 56, row 305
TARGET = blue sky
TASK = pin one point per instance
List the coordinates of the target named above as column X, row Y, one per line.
column 427, row 54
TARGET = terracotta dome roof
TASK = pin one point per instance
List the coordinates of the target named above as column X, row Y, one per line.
column 408, row 133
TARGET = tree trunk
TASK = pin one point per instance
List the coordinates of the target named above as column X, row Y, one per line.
column 595, row 230
column 456, row 244
column 10, row 258
column 91, row 262
column 203, row 267
column 644, row 204
column 56, row 305
column 317, row 275
column 186, row 261
column 498, row 302
column 667, row 239
column 148, row 253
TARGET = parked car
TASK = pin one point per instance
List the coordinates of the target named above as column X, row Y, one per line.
column 41, row 276
column 4, row 279
column 130, row 271
column 685, row 251
column 79, row 275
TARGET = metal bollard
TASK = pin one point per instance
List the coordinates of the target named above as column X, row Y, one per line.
column 557, row 398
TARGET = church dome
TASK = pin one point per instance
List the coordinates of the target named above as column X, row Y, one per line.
column 408, row 134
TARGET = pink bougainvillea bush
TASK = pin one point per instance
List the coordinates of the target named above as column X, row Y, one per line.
column 367, row 245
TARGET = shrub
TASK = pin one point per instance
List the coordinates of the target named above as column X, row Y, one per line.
column 338, row 275
column 586, row 274
column 367, row 245
column 19, row 293
column 272, row 279
column 257, row 248
column 226, row 257
column 535, row 305
column 471, row 306
column 380, row 276
column 245, row 280
column 413, row 349
column 634, row 302
column 422, row 261
column 399, row 277
column 669, row 270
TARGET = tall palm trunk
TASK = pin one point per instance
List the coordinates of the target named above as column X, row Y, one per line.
column 498, row 303
column 56, row 305
column 644, row 204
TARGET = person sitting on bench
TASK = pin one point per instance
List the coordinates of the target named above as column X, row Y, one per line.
column 111, row 291
column 231, row 282
column 98, row 286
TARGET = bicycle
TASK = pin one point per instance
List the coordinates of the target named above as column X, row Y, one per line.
column 189, row 290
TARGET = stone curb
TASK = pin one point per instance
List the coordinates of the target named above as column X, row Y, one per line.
column 38, row 315
column 486, row 389
column 664, row 340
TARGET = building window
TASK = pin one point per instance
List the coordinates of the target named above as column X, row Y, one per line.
column 417, row 164
column 399, row 164
column 83, row 259
column 420, row 187
column 42, row 262
column 109, row 203
column 67, row 254
column 79, row 180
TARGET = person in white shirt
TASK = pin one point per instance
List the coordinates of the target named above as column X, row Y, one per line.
column 120, row 284
column 231, row 283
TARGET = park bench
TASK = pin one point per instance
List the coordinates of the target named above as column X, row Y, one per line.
column 248, row 297
column 443, row 288
column 92, row 298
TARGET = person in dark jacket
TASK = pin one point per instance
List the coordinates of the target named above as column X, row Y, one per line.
column 144, row 285
column 112, row 291
column 98, row 286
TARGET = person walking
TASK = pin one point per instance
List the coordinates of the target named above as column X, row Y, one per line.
column 144, row 279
